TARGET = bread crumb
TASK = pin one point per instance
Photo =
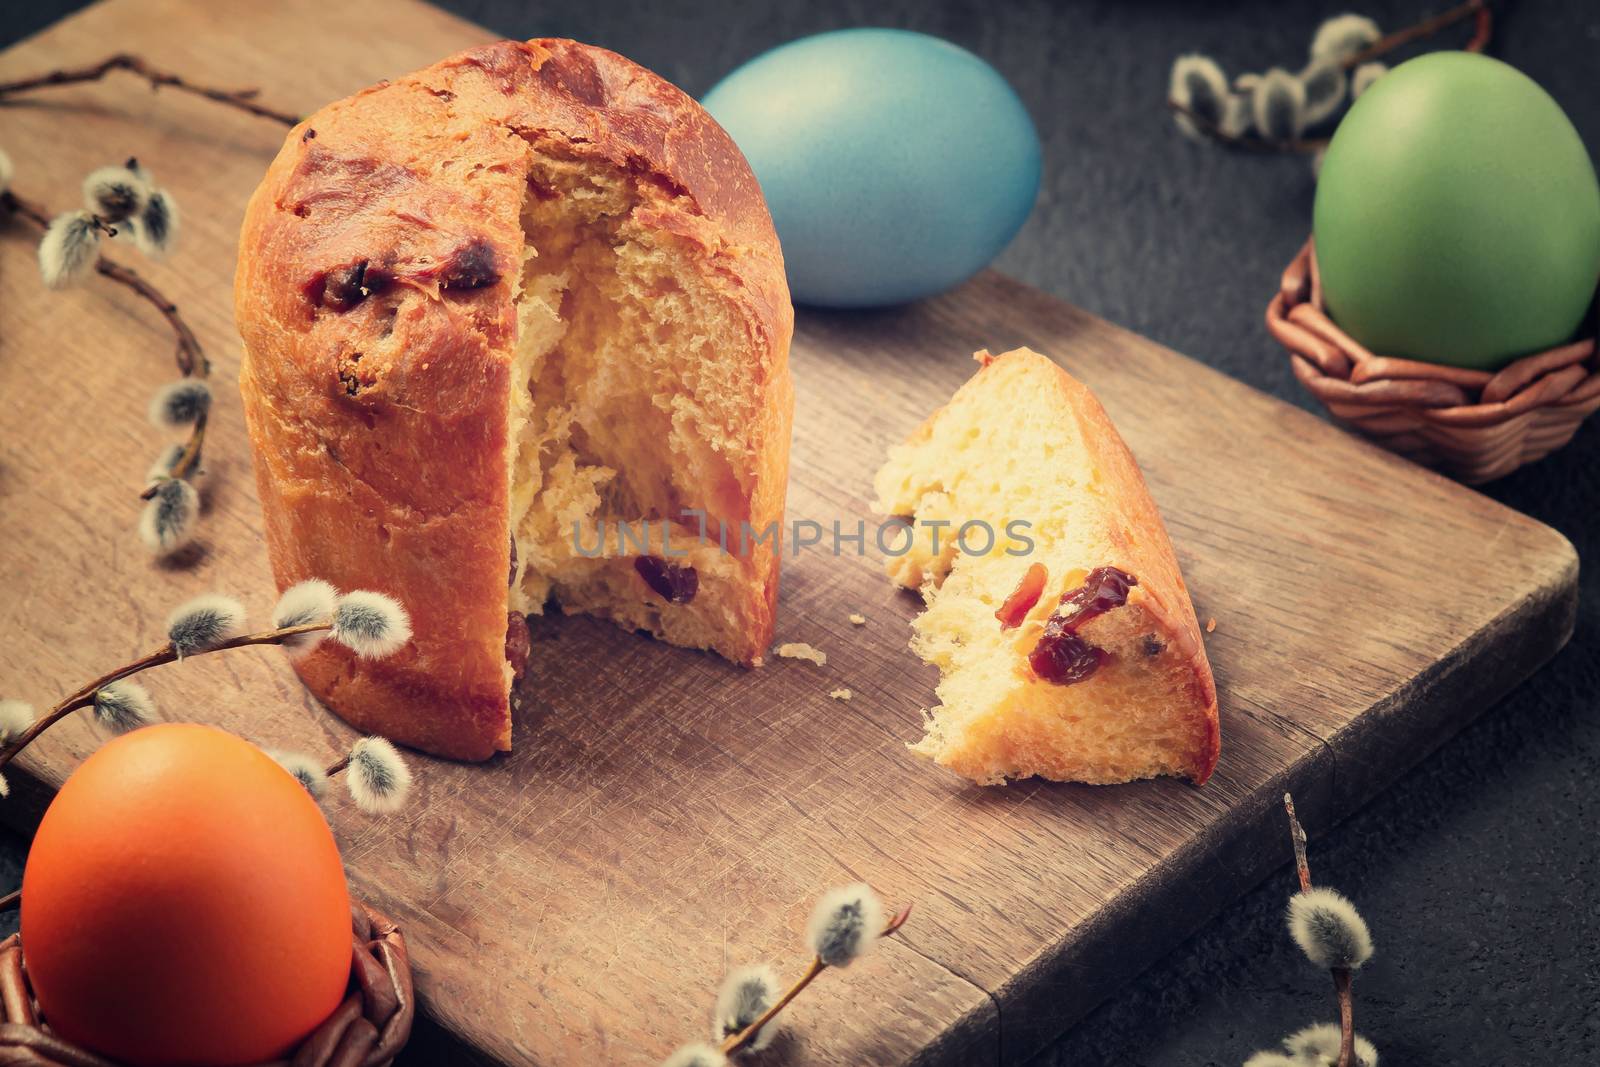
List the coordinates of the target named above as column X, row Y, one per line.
column 1211, row 624
column 801, row 650
column 857, row 619
column 841, row 694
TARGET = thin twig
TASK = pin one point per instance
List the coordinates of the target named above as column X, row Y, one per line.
column 85, row 695
column 743, row 1037
column 191, row 359
column 15, row 205
column 1341, row 975
column 338, row 765
column 188, row 460
column 1426, row 28
column 192, row 362
column 1484, row 28
column 738, row 1041
column 1347, row 1022
column 1297, row 834
column 243, row 99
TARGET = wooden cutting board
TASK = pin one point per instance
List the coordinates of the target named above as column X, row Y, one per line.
column 666, row 815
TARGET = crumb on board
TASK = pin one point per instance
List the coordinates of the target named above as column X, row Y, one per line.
column 857, row 619
column 801, row 650
column 1211, row 624
column 841, row 694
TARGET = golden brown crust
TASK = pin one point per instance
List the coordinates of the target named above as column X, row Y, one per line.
column 1161, row 599
column 379, row 421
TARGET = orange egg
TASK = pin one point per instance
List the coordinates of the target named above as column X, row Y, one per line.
column 184, row 903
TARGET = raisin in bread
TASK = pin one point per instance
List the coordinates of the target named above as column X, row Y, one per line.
column 486, row 308
column 1067, row 649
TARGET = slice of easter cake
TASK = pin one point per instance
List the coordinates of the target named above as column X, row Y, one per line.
column 1068, row 647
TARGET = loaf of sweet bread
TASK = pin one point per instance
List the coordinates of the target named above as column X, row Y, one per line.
column 522, row 313
column 1065, row 638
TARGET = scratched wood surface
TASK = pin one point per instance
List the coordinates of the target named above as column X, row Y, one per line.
column 666, row 815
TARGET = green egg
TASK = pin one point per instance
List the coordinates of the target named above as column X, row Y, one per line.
column 1457, row 215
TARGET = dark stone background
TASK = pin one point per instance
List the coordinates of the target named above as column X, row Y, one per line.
column 1478, row 870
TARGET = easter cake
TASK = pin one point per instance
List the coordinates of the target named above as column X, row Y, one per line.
column 1065, row 638
column 518, row 319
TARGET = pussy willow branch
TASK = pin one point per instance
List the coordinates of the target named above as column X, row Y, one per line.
column 243, row 99
column 1341, row 975
column 1381, row 47
column 84, row 696
column 191, row 359
column 738, row 1041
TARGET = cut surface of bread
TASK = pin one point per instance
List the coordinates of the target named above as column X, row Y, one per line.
column 633, row 430
column 516, row 334
column 1068, row 647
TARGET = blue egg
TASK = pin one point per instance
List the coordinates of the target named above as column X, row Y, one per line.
column 896, row 165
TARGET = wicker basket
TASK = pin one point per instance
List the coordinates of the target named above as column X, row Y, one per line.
column 368, row 1030
column 1472, row 424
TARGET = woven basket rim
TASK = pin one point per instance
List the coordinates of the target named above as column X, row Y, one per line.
column 1342, row 371
column 370, row 1026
